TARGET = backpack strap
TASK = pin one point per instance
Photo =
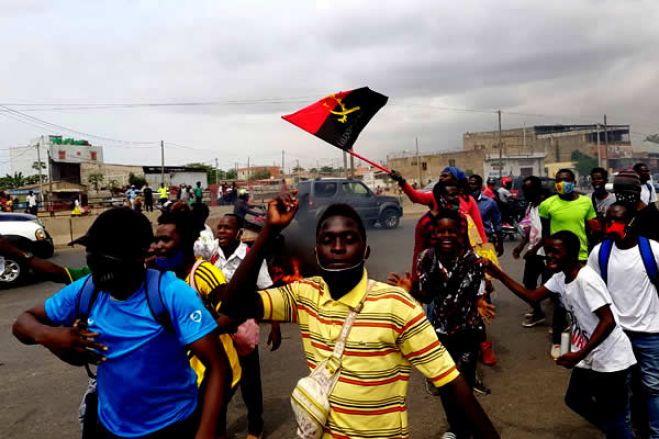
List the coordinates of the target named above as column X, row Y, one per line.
column 155, row 301
column 603, row 258
column 648, row 260
column 86, row 298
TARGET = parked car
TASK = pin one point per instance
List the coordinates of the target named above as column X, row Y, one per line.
column 27, row 233
column 317, row 194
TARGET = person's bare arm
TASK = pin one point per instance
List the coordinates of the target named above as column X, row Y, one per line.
column 463, row 401
column 210, row 352
column 531, row 296
column 49, row 270
column 74, row 345
column 604, row 327
column 240, row 295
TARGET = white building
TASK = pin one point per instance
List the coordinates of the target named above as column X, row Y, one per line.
column 66, row 155
column 516, row 165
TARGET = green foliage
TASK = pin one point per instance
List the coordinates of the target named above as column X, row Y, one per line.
column 583, row 162
column 298, row 169
column 37, row 165
column 95, row 179
column 12, row 181
column 326, row 169
column 136, row 180
column 231, row 174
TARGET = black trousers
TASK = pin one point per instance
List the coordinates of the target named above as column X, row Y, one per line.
column 251, row 389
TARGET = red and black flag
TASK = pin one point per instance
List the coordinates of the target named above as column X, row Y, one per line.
column 339, row 118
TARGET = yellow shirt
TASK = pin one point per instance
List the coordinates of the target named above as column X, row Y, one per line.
column 207, row 277
column 389, row 335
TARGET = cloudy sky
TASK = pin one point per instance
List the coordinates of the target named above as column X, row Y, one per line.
column 248, row 62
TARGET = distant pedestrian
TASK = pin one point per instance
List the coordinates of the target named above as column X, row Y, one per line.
column 163, row 194
column 31, row 203
column 148, row 198
column 648, row 192
column 198, row 193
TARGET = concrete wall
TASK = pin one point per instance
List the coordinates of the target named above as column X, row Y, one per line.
column 119, row 173
column 431, row 165
column 177, row 178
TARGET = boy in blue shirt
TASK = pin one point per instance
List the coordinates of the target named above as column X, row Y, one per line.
column 146, row 387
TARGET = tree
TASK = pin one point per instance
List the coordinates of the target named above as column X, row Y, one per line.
column 583, row 162
column 12, row 181
column 96, row 178
column 326, row 169
column 39, row 165
column 231, row 174
column 298, row 168
column 136, row 180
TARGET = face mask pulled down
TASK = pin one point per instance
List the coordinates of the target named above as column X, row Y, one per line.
column 340, row 279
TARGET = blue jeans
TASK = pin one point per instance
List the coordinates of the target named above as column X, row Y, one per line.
column 646, row 350
column 602, row 398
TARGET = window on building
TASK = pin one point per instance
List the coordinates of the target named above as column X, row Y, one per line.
column 424, row 166
column 61, row 155
column 451, row 162
column 413, row 163
column 92, row 155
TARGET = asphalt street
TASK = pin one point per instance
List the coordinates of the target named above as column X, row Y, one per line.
column 39, row 395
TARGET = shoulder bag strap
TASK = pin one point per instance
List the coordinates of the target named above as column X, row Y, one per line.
column 192, row 282
column 340, row 345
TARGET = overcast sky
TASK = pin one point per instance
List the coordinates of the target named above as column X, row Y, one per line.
column 555, row 62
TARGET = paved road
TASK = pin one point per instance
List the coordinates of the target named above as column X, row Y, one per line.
column 39, row 395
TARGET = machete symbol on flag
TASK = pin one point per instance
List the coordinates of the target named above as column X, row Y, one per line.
column 339, row 118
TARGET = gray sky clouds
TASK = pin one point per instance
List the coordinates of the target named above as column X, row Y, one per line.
column 570, row 61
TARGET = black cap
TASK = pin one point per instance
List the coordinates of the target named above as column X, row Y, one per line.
column 119, row 231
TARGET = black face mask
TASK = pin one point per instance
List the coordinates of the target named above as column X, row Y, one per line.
column 110, row 273
column 341, row 280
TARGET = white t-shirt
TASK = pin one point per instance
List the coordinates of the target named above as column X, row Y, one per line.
column 230, row 265
column 634, row 296
column 31, row 200
column 535, row 232
column 581, row 298
column 648, row 193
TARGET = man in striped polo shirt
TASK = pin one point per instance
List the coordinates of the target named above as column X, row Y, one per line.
column 389, row 336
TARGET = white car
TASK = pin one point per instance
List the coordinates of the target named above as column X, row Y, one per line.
column 28, row 234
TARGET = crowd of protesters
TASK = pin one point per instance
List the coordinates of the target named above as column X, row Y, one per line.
column 171, row 319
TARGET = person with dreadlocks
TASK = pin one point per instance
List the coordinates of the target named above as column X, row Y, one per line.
column 177, row 230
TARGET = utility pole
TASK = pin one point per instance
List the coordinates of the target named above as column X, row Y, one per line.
column 162, row 161
column 345, row 164
column 418, row 164
column 605, row 160
column 43, row 197
column 597, row 143
column 500, row 147
column 352, row 166
column 283, row 163
column 217, row 169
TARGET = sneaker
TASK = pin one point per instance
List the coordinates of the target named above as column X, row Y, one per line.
column 487, row 354
column 555, row 351
column 533, row 321
column 449, row 435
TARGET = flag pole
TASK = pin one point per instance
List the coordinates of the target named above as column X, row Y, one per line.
column 377, row 165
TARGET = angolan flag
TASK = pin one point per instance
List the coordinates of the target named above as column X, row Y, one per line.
column 339, row 118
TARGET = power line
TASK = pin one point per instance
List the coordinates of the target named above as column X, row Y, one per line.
column 31, row 120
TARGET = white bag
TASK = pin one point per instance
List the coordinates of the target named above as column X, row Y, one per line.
column 310, row 398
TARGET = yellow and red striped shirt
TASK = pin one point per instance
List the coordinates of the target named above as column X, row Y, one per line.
column 389, row 335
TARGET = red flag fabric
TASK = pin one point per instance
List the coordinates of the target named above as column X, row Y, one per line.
column 339, row 118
